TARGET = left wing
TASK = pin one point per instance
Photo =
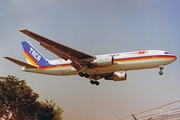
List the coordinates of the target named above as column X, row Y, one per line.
column 78, row 58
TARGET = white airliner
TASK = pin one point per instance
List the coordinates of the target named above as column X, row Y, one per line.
column 73, row 62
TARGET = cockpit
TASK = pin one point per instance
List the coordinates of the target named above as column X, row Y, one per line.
column 167, row 52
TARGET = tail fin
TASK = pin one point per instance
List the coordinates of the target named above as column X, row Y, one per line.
column 33, row 56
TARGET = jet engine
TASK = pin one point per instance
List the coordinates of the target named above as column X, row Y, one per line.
column 103, row 62
column 117, row 76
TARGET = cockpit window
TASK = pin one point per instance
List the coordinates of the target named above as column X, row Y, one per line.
column 166, row 52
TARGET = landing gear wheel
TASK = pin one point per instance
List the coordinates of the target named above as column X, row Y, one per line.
column 94, row 82
column 97, row 83
column 81, row 74
column 86, row 75
column 160, row 72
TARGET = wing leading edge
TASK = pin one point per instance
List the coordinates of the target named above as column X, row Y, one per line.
column 78, row 58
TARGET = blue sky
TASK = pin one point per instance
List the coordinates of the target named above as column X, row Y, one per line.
column 96, row 27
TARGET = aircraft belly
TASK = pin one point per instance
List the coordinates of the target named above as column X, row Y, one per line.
column 55, row 71
column 102, row 70
column 67, row 71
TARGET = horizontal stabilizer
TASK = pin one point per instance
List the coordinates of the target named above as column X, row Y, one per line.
column 20, row 62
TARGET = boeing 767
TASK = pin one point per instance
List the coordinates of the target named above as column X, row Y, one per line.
column 94, row 67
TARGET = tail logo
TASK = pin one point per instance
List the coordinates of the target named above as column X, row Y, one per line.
column 35, row 54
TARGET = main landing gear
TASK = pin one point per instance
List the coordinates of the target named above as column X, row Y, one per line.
column 161, row 70
column 93, row 82
column 84, row 75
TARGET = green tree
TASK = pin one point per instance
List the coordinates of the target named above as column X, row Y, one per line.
column 19, row 102
column 49, row 111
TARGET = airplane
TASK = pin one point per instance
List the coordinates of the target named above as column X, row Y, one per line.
column 94, row 67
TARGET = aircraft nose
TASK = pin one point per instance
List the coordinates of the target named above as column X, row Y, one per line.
column 175, row 58
column 171, row 58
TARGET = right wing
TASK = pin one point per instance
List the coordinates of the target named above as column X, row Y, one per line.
column 18, row 62
column 78, row 58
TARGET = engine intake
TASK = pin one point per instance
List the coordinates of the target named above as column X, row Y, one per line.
column 103, row 62
column 117, row 76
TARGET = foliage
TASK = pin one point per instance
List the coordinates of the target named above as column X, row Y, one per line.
column 19, row 102
column 49, row 110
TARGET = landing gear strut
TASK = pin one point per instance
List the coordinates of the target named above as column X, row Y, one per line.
column 161, row 70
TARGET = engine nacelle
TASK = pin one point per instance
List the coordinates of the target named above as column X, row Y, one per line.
column 117, row 76
column 103, row 62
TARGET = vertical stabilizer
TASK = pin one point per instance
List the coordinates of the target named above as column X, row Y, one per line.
column 33, row 56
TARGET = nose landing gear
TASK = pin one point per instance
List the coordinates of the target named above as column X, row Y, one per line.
column 161, row 70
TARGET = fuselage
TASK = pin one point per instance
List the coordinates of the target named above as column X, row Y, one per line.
column 124, row 61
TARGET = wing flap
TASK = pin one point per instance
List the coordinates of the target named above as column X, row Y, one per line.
column 18, row 62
